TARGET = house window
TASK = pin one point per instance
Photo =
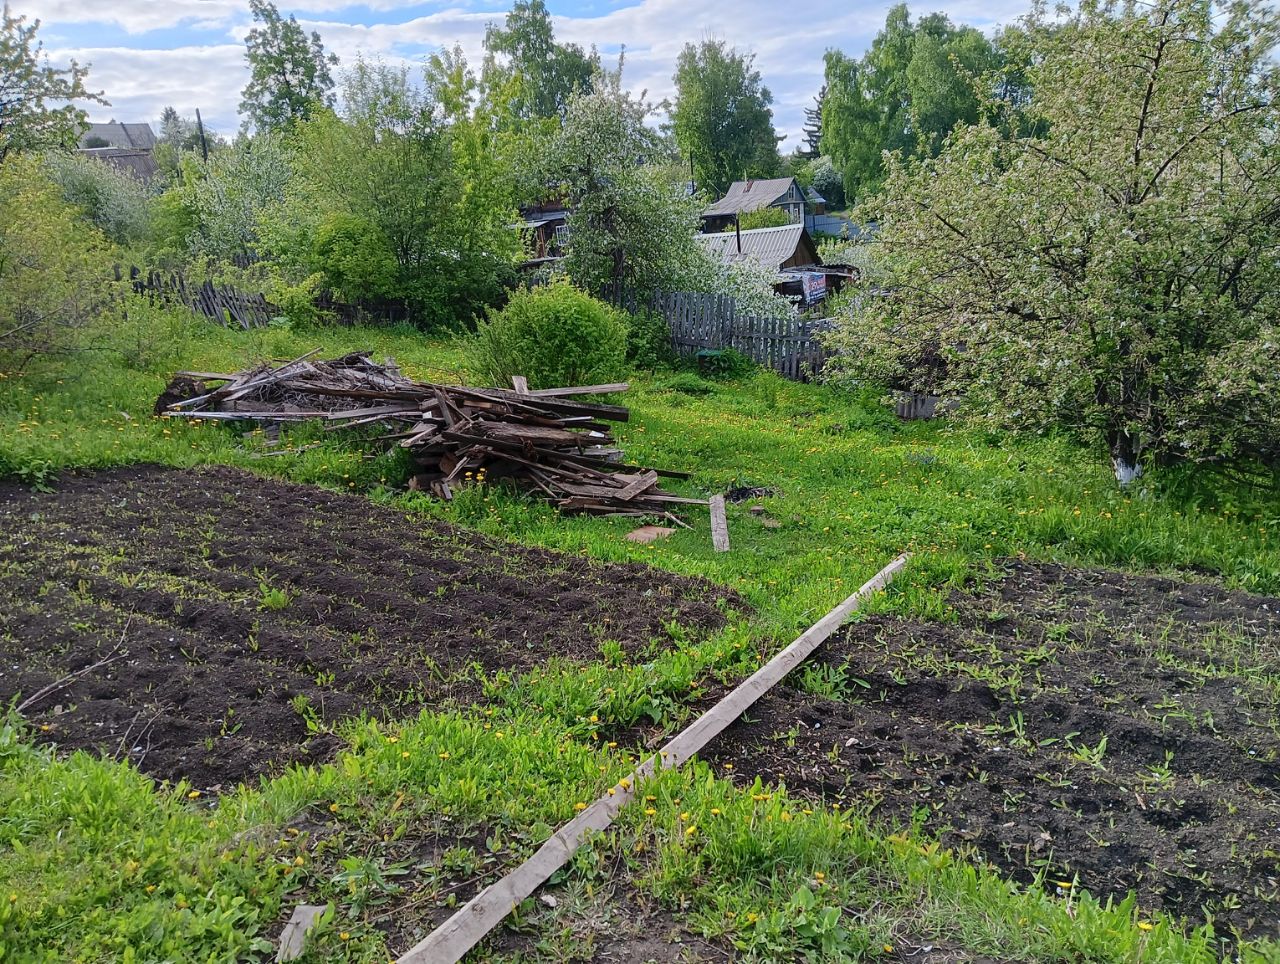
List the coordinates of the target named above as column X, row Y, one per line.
column 562, row 235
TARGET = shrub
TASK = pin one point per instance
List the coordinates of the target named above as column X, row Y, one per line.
column 555, row 335
column 54, row 275
column 649, row 341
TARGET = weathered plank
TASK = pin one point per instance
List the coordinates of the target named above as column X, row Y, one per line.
column 448, row 943
column 719, row 525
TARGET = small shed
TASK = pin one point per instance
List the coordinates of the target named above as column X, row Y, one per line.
column 746, row 196
column 789, row 246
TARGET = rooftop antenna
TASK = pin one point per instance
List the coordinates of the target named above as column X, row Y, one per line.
column 737, row 229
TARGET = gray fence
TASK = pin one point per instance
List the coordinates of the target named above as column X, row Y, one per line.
column 790, row 346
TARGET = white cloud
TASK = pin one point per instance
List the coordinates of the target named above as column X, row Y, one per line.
column 788, row 49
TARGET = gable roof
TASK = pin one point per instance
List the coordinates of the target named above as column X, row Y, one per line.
column 772, row 247
column 137, row 136
column 744, row 196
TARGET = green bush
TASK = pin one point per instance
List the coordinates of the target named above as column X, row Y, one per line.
column 555, row 335
column 649, row 341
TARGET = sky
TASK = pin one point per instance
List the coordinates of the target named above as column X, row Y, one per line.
column 146, row 54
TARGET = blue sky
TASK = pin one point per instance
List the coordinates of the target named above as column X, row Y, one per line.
column 145, row 54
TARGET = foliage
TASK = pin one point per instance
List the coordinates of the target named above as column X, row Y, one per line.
column 915, row 83
column 377, row 204
column 648, row 341
column 531, row 75
column 555, row 335
column 721, row 116
column 54, row 266
column 1115, row 277
column 215, row 210
column 630, row 220
column 762, row 218
column 114, row 200
column 37, row 100
column 827, row 180
column 289, row 71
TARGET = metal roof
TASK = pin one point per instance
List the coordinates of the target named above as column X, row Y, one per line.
column 120, row 135
column 772, row 247
column 744, row 196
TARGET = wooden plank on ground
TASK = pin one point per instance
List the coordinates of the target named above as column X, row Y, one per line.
column 719, row 525
column 449, row 942
column 641, row 482
column 520, row 384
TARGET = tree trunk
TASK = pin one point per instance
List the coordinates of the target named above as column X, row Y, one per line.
column 1126, row 451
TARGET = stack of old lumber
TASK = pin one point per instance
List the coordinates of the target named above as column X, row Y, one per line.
column 546, row 441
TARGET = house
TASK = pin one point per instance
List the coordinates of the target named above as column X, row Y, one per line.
column 544, row 228
column 126, row 147
column 746, row 196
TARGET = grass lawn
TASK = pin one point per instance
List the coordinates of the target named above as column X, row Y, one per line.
column 99, row 863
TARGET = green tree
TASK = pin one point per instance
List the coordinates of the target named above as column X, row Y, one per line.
column 289, row 71
column 721, row 115
column 114, row 200
column 377, row 204
column 630, row 219
column 914, row 84
column 54, row 266
column 37, row 100
column 527, row 71
column 1110, row 271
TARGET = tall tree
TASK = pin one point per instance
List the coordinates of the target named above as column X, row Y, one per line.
column 721, row 116
column 914, row 84
column 289, row 71
column 527, row 70
column 37, row 100
column 813, row 126
column 1110, row 270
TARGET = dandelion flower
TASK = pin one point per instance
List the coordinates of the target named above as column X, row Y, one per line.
column 1145, row 925
column 193, row 795
column 579, row 806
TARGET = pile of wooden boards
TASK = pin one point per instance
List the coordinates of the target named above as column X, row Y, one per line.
column 545, row 441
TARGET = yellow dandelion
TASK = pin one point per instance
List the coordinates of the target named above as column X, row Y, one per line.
column 1145, row 925
column 579, row 806
column 649, row 811
column 193, row 795
column 333, row 808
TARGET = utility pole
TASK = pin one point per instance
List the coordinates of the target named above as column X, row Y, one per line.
column 204, row 144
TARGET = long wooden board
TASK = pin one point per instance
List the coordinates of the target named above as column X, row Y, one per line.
column 450, row 942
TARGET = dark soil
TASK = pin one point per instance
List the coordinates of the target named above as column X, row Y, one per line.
column 988, row 732
column 236, row 607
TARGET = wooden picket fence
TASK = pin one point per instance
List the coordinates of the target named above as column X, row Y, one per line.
column 700, row 322
column 229, row 306
column 221, row 303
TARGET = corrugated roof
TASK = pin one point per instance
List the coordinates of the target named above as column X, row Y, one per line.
column 744, row 196
column 770, row 246
column 120, row 135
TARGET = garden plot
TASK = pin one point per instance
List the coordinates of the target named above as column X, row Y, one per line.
column 234, row 617
column 1111, row 732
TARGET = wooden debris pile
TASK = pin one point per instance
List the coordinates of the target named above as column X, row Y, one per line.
column 545, row 441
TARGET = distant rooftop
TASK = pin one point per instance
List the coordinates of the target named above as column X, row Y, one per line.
column 744, row 196
column 115, row 134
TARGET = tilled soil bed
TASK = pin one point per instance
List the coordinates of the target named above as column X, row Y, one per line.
column 1069, row 722
column 232, row 608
